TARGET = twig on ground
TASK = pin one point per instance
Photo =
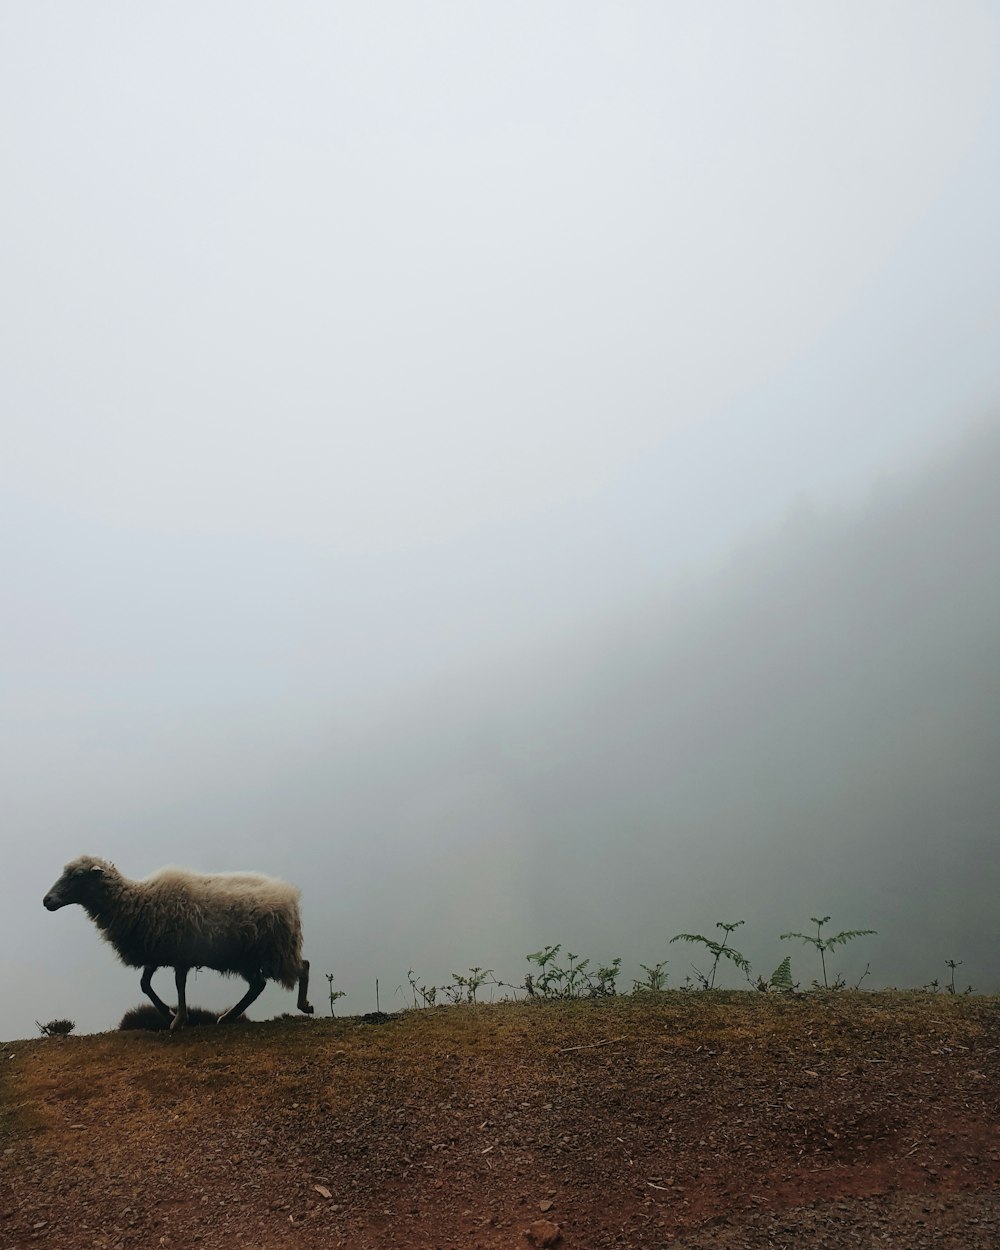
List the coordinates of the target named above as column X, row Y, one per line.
column 609, row 1041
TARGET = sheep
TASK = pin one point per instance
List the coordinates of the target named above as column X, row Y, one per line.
column 239, row 923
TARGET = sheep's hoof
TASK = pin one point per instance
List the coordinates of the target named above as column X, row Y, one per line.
column 308, row 1008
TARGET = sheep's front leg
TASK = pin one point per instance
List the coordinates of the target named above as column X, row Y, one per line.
column 147, row 988
column 303, row 1003
column 257, row 983
column 180, row 976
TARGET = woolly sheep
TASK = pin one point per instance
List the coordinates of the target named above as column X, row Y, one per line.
column 239, row 923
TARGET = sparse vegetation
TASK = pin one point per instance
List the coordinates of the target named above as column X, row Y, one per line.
column 656, row 979
column 56, row 1028
column 781, row 977
column 427, row 993
column 823, row 944
column 604, row 982
column 548, row 979
column 950, row 987
column 334, row 994
column 466, row 988
column 552, row 979
column 718, row 950
column 572, row 981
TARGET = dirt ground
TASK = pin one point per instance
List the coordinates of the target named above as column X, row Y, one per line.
column 685, row 1120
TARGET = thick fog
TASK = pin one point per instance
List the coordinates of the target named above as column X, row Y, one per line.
column 526, row 474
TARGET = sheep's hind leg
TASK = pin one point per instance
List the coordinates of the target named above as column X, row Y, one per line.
column 303, row 1003
column 257, row 983
column 147, row 988
column 180, row 976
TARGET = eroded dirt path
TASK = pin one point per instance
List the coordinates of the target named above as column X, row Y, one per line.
column 723, row 1120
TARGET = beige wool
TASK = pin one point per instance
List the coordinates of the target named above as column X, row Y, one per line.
column 241, row 923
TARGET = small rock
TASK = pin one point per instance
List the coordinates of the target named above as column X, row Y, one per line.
column 543, row 1233
column 546, row 1205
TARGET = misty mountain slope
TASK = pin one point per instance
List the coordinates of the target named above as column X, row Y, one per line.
column 815, row 726
column 821, row 723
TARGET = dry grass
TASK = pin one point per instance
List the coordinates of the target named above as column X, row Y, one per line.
column 656, row 1111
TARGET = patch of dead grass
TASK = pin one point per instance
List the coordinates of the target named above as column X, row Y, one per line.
column 671, row 1107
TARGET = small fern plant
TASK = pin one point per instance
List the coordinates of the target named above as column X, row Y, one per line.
column 334, row 994
column 824, row 944
column 781, row 977
column 547, row 980
column 464, row 989
column 603, row 981
column 656, row 979
column 718, row 950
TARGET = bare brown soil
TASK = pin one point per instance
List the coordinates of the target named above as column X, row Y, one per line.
column 688, row 1120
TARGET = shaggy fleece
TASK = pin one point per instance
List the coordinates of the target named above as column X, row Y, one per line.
column 242, row 923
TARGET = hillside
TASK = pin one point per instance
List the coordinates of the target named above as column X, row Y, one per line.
column 695, row 1120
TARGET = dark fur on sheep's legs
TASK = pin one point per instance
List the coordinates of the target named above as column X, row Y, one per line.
column 180, row 977
column 257, row 983
column 303, row 1004
column 147, row 988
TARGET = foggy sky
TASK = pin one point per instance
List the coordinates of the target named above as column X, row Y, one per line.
column 525, row 474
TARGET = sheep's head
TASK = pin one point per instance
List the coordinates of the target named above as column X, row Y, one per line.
column 81, row 882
